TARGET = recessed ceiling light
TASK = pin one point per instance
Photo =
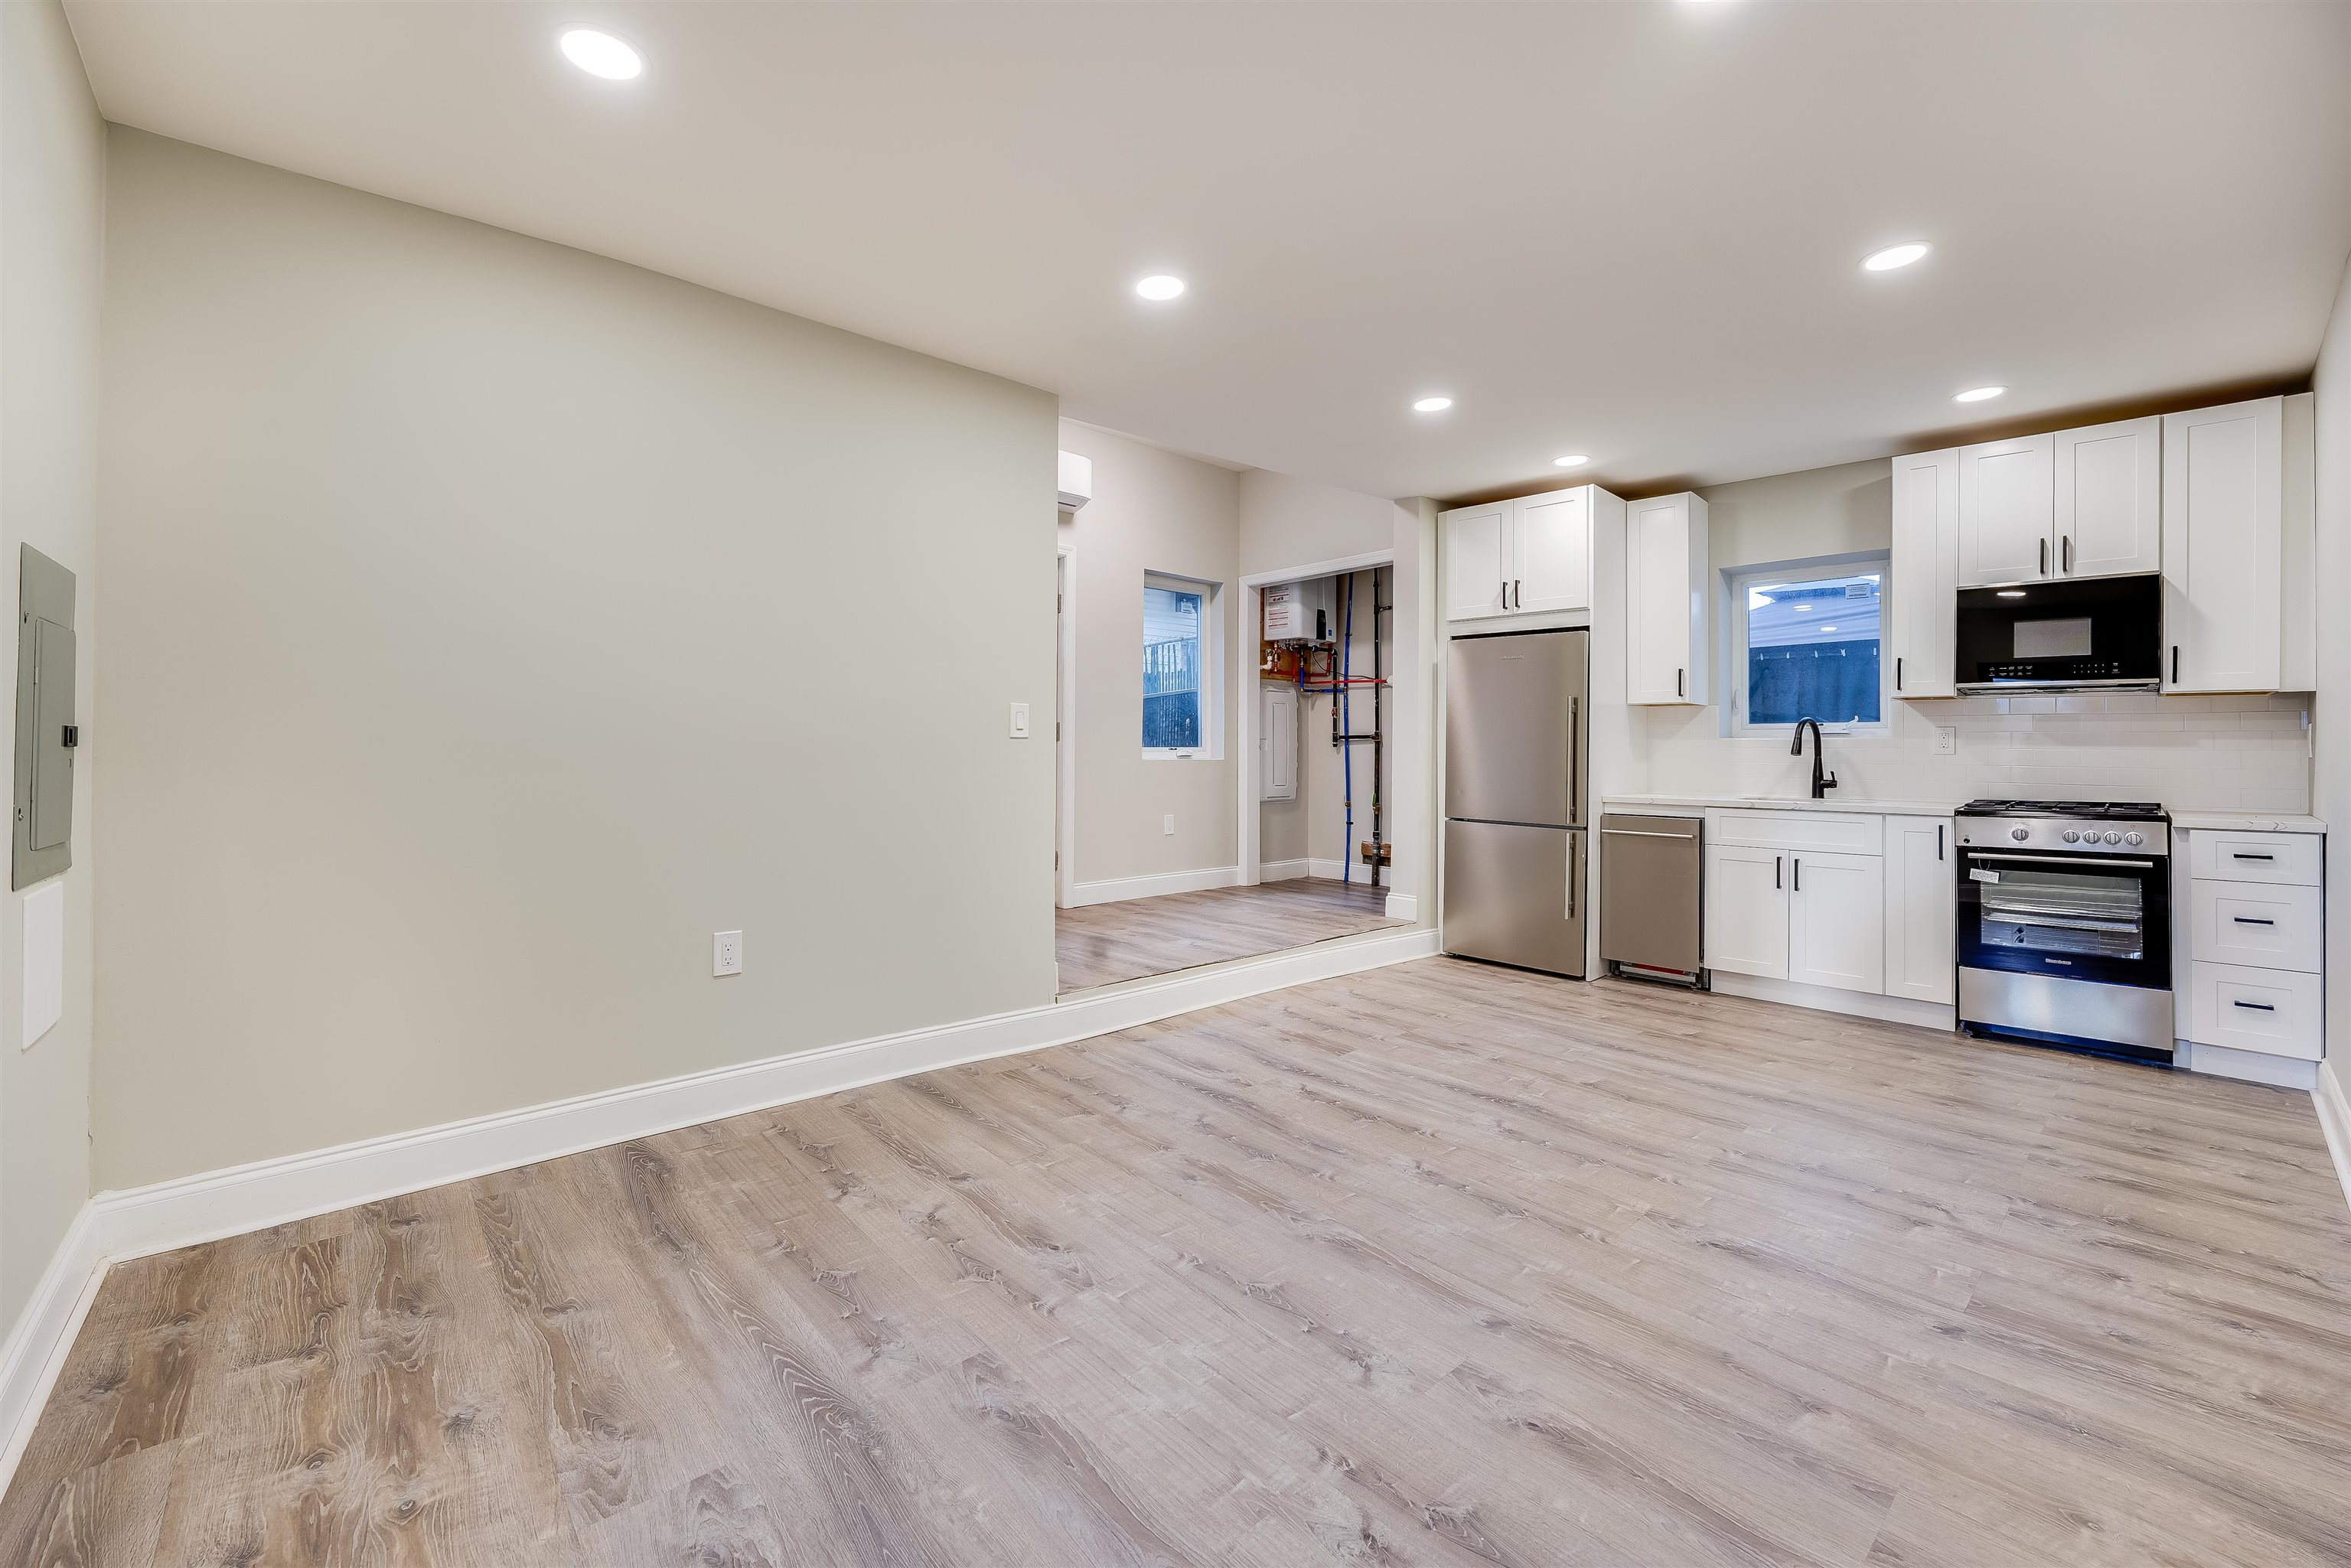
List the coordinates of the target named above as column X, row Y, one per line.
column 1828, row 628
column 1573, row 460
column 1432, row 405
column 1803, row 610
column 1977, row 394
column 600, row 54
column 2011, row 593
column 1160, row 286
column 1895, row 256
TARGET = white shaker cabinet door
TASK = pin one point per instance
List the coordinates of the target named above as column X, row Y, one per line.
column 1747, row 911
column 1836, row 921
column 1552, row 564
column 1477, row 561
column 1926, row 572
column 2006, row 502
column 1921, row 958
column 2109, row 499
column 2223, row 529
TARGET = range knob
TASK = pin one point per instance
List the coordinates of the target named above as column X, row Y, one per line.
column 2113, row 836
column 2134, row 839
column 2020, row 834
column 2072, row 837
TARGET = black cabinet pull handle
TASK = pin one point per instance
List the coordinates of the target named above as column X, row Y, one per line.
column 2175, row 663
column 1678, row 676
column 1800, row 874
column 1775, row 871
column 2247, row 857
column 2043, row 557
column 1939, row 841
column 2065, row 551
column 2254, row 1007
column 2251, row 920
column 1898, row 672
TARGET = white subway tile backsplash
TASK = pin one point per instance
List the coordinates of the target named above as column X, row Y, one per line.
column 2191, row 753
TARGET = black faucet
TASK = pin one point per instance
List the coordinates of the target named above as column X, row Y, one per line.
column 1822, row 782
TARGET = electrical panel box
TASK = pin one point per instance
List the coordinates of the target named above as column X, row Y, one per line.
column 47, row 736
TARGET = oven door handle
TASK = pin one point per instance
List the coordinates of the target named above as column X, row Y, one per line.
column 2081, row 862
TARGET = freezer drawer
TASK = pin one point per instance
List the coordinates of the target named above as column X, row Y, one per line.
column 1512, row 894
column 1514, row 721
column 1650, row 875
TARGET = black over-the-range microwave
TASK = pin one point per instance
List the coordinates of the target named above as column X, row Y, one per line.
column 2102, row 633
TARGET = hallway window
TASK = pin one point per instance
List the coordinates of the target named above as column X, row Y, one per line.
column 1808, row 644
column 1178, row 685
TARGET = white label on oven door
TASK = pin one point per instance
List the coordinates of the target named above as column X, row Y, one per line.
column 1981, row 874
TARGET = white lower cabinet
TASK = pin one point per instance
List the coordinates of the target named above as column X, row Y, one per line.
column 1921, row 953
column 2249, row 947
column 2275, row 1011
column 1781, row 908
column 1747, row 911
column 1837, row 922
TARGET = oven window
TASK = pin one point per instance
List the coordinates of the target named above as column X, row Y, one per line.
column 2073, row 914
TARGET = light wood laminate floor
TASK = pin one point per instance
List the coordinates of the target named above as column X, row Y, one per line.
column 1099, row 943
column 1436, row 1264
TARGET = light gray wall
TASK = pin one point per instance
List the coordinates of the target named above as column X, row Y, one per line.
column 497, row 621
column 1152, row 511
column 2331, row 733
column 1286, row 522
column 52, row 169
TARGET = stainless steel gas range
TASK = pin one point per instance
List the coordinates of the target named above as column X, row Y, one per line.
column 2064, row 925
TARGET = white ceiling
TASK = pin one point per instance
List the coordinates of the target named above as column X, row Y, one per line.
column 1627, row 230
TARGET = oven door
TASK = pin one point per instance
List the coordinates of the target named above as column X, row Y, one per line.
column 2077, row 917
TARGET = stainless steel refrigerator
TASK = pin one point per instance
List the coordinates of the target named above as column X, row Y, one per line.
column 1516, row 837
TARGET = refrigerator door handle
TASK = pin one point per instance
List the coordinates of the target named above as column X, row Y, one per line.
column 1571, row 874
column 1575, row 762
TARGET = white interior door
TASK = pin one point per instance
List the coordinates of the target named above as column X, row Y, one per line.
column 2006, row 501
column 1551, row 567
column 1747, row 911
column 1475, row 561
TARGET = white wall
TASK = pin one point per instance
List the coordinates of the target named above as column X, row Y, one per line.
column 488, row 623
column 52, row 167
column 1152, row 511
column 2214, row 753
column 2330, row 383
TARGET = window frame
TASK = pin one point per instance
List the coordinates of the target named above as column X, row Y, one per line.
column 1212, row 669
column 1736, row 582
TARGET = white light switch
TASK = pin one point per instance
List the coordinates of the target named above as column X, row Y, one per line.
column 1947, row 741
column 725, row 952
column 1167, row 823
column 1019, row 721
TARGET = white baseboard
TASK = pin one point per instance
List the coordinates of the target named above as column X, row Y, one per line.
column 1402, row 907
column 2245, row 1066
column 35, row 1351
column 2335, row 1120
column 1288, row 871
column 1114, row 889
column 1831, row 1000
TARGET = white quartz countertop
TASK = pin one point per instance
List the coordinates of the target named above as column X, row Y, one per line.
column 2245, row 822
column 1664, row 803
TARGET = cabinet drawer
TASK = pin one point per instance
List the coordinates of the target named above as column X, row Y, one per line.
column 2293, row 858
column 1821, row 832
column 2272, row 1010
column 2262, row 925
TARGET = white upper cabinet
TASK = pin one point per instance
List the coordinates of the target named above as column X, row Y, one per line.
column 1924, row 567
column 2006, row 504
column 1665, row 600
column 1477, row 561
column 2108, row 519
column 2223, row 523
column 1531, row 556
column 1551, row 565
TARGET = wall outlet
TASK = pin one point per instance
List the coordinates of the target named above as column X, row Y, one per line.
column 1019, row 721
column 1167, row 823
column 1947, row 741
column 725, row 952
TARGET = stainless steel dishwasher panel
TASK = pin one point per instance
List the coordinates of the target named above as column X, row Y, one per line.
column 1652, row 891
